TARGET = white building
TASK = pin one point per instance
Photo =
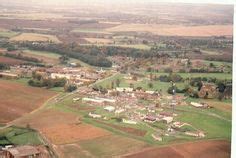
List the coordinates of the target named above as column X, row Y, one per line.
column 109, row 108
column 124, row 89
column 129, row 121
column 94, row 115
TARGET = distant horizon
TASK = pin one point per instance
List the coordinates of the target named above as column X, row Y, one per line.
column 77, row 2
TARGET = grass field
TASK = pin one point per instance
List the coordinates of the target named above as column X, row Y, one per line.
column 7, row 34
column 157, row 85
column 34, row 37
column 208, row 75
column 19, row 136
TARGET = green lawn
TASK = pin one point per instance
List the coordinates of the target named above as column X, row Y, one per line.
column 19, row 136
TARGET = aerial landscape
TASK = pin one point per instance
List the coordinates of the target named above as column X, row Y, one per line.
column 102, row 79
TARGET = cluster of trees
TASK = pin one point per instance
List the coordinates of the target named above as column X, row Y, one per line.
column 171, row 77
column 4, row 66
column 21, row 57
column 70, row 87
column 39, row 81
column 88, row 55
column 202, row 70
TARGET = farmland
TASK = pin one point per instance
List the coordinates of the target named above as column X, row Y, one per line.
column 206, row 149
column 116, row 79
column 170, row 30
column 34, row 37
column 10, row 61
column 17, row 100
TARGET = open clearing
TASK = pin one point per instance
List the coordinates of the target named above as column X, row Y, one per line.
column 176, row 30
column 17, row 99
column 202, row 149
column 34, row 37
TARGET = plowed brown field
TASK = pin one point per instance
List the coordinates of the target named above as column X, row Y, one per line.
column 202, row 149
column 17, row 99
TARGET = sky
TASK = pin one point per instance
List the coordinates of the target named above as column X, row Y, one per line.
column 75, row 2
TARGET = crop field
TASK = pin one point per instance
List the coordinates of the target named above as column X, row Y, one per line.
column 47, row 119
column 17, row 99
column 176, row 30
column 10, row 61
column 47, row 57
column 90, row 31
column 99, row 40
column 112, row 145
column 69, row 133
column 35, row 37
column 135, row 46
column 203, row 149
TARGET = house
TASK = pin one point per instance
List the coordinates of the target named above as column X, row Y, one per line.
column 76, row 99
column 25, row 151
column 92, row 100
column 124, row 89
column 118, row 111
column 150, row 119
column 109, row 108
column 94, row 115
column 129, row 121
column 167, row 119
column 200, row 105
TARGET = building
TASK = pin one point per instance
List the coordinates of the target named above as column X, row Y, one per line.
column 167, row 119
column 109, row 108
column 25, row 151
column 129, row 122
column 94, row 115
column 124, row 89
column 200, row 105
column 8, row 75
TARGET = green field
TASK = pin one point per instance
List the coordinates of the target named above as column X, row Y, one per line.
column 43, row 53
column 7, row 34
column 192, row 75
column 157, row 85
column 97, row 31
column 19, row 136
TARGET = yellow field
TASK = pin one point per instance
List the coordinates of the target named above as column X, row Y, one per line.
column 35, row 37
column 99, row 40
column 176, row 30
